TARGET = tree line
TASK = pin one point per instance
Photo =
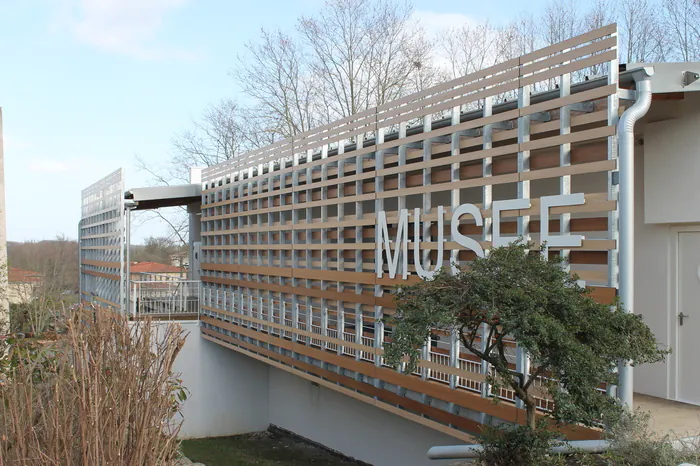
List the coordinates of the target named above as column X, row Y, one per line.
column 57, row 260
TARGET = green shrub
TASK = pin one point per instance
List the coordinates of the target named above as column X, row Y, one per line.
column 635, row 444
column 521, row 445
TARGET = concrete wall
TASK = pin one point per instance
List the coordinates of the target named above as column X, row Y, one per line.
column 350, row 426
column 231, row 393
column 228, row 391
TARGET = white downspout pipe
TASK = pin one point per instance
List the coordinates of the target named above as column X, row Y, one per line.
column 455, row 452
column 625, row 132
column 475, row 451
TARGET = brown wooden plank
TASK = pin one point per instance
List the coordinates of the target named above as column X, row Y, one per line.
column 502, row 410
column 365, row 388
column 108, row 276
column 111, row 265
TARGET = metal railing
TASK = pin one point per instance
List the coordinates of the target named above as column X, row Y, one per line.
column 469, row 366
column 349, row 351
column 367, row 355
column 443, row 360
column 161, row 298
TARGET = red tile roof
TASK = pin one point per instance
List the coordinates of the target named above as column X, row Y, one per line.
column 16, row 275
column 153, row 267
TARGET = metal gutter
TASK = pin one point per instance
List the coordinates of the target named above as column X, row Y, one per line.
column 625, row 132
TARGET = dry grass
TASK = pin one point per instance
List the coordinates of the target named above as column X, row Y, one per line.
column 102, row 393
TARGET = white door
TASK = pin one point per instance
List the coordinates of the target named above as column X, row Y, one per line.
column 687, row 319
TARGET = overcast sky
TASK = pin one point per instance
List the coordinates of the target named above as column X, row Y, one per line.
column 86, row 85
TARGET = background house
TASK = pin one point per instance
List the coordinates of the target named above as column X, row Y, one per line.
column 156, row 270
column 23, row 285
column 180, row 259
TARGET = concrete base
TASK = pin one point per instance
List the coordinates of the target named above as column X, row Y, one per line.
column 228, row 391
column 354, row 428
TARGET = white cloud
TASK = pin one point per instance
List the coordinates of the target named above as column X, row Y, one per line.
column 127, row 27
column 434, row 22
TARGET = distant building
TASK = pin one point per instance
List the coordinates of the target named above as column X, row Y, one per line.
column 23, row 285
column 180, row 259
column 156, row 271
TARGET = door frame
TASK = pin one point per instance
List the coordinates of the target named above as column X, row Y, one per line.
column 674, row 308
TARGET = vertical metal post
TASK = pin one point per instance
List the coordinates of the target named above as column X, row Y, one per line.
column 523, row 359
column 126, row 275
column 487, row 195
column 564, row 159
column 378, row 207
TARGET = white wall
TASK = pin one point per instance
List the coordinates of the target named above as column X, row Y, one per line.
column 350, row 426
column 228, row 391
column 652, row 285
column 673, row 167
column 667, row 176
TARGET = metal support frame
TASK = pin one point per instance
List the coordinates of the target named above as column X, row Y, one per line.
column 522, row 363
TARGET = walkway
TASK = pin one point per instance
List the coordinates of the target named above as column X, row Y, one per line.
column 679, row 419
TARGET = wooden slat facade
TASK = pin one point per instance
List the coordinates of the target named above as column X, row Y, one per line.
column 290, row 231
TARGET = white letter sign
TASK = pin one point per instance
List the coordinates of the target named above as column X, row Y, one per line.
column 418, row 261
column 461, row 239
column 401, row 248
column 498, row 207
column 558, row 241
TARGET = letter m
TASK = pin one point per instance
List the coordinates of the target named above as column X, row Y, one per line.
column 384, row 245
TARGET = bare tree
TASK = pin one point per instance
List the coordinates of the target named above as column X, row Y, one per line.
column 683, row 23
column 560, row 20
column 471, row 48
column 216, row 137
column 55, row 260
column 519, row 37
column 363, row 53
column 643, row 37
column 274, row 73
column 600, row 14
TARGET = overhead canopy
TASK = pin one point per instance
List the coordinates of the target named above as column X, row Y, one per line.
column 164, row 196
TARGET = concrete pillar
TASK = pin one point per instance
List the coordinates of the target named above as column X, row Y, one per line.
column 194, row 212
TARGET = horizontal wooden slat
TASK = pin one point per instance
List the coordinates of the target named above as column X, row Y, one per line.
column 108, row 276
column 110, row 265
column 468, row 400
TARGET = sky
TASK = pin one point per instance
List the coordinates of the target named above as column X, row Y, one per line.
column 87, row 85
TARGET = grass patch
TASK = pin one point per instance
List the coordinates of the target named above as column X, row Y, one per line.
column 260, row 449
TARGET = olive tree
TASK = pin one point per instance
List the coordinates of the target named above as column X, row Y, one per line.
column 519, row 294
